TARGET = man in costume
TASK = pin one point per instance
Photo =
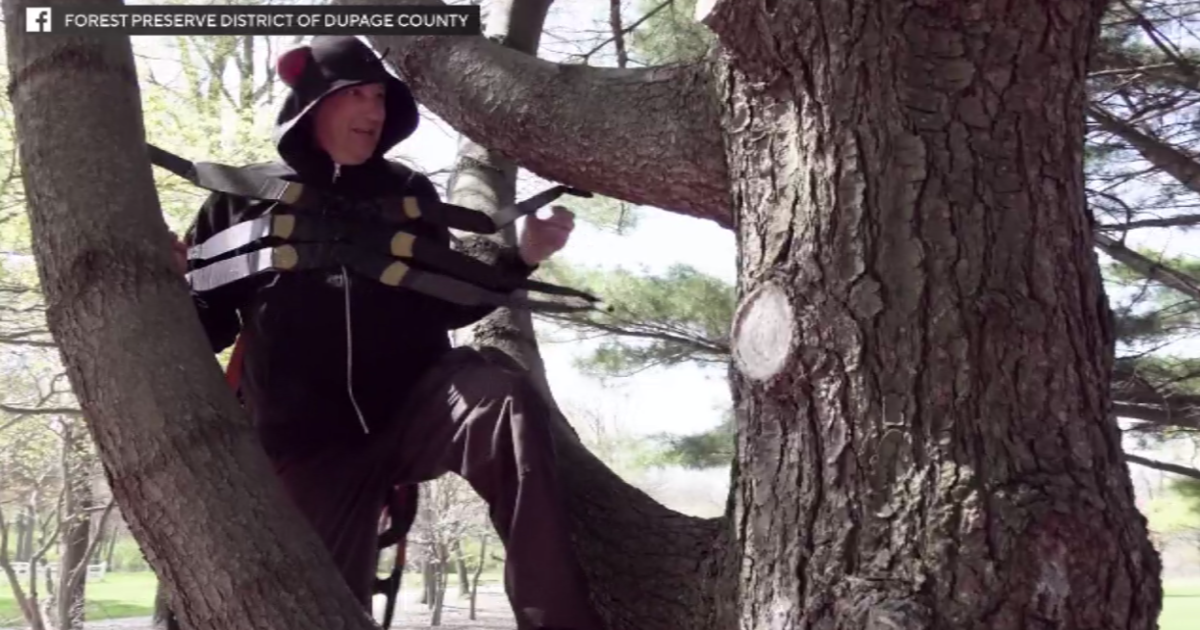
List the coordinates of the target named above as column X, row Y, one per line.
column 354, row 386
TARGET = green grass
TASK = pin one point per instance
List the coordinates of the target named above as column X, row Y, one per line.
column 1181, row 605
column 122, row 595
column 117, row 596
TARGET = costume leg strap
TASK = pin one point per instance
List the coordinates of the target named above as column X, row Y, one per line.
column 389, row 271
column 256, row 184
column 373, row 237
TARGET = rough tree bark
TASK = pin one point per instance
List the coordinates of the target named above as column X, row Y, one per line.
column 923, row 346
column 189, row 476
column 923, row 343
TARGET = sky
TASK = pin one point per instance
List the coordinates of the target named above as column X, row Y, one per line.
column 680, row 399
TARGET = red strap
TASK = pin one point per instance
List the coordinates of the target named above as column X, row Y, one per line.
column 233, row 372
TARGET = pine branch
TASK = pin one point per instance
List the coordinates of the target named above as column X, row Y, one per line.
column 1163, row 274
column 1170, row 414
column 645, row 331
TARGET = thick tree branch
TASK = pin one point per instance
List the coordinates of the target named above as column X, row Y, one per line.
column 646, row 569
column 1164, row 466
column 648, row 136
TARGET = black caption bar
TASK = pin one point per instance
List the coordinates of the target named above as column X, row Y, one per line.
column 255, row 20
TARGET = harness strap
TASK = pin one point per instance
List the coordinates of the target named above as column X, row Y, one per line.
column 369, row 236
column 389, row 271
column 257, row 184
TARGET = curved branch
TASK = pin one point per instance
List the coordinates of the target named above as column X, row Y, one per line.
column 648, row 136
column 652, row 567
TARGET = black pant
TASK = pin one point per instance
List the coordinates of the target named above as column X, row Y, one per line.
column 483, row 421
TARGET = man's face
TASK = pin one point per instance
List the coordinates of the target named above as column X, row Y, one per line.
column 349, row 122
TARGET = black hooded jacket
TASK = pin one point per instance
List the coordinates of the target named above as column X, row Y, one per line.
column 327, row 351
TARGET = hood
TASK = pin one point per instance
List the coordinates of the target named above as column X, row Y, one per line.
column 319, row 69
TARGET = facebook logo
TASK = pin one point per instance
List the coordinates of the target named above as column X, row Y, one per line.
column 37, row 20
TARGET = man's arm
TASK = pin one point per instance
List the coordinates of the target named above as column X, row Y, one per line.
column 507, row 259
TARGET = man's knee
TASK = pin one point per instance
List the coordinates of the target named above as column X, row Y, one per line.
column 489, row 375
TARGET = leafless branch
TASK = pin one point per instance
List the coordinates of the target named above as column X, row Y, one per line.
column 1164, row 466
column 1179, row 221
column 42, row 411
column 619, row 32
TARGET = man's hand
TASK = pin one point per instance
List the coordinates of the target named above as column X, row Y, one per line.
column 542, row 238
column 179, row 254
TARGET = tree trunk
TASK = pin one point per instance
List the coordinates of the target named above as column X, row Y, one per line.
column 113, row 537
column 186, row 470
column 76, row 537
column 441, row 579
column 427, row 582
column 460, row 563
column 478, row 571
column 923, row 346
column 101, row 541
column 25, row 526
